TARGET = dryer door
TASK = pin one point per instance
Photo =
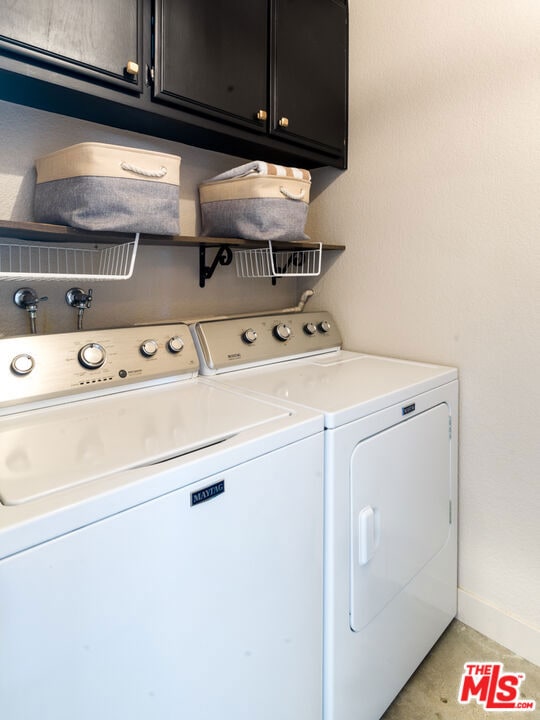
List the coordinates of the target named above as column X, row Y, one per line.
column 400, row 499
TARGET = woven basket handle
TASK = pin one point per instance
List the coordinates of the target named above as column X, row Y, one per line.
column 140, row 171
column 292, row 196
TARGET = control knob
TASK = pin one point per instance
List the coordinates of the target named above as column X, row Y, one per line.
column 175, row 344
column 282, row 332
column 149, row 348
column 22, row 364
column 310, row 328
column 324, row 326
column 92, row 356
column 249, row 336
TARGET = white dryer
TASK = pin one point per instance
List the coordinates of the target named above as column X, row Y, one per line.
column 390, row 492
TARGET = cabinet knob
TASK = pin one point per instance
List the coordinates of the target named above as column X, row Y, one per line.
column 132, row 68
column 284, row 122
column 262, row 115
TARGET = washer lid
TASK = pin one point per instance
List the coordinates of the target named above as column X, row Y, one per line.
column 44, row 451
column 345, row 386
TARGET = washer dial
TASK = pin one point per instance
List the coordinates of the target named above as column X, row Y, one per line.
column 310, row 328
column 282, row 332
column 22, row 364
column 249, row 336
column 175, row 344
column 324, row 326
column 149, row 348
column 92, row 356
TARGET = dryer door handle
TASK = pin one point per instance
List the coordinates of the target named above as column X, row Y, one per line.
column 367, row 534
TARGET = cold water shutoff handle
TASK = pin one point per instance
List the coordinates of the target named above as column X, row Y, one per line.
column 27, row 299
column 77, row 298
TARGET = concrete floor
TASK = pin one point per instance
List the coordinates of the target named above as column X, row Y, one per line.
column 432, row 692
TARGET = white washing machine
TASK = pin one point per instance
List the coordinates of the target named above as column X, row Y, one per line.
column 146, row 527
column 390, row 492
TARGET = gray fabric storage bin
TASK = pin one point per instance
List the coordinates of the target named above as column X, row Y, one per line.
column 95, row 186
column 256, row 201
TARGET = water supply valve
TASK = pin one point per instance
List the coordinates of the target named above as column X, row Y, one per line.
column 77, row 298
column 27, row 299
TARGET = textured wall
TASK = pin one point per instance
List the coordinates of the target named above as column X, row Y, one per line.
column 165, row 284
column 439, row 212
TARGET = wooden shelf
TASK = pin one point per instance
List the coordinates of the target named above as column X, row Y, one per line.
column 22, row 230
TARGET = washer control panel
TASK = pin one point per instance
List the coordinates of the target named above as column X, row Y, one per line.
column 38, row 367
column 225, row 345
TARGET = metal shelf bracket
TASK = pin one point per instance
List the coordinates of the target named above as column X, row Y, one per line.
column 223, row 256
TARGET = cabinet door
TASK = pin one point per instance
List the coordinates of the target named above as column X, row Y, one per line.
column 211, row 57
column 92, row 38
column 400, row 498
column 309, row 85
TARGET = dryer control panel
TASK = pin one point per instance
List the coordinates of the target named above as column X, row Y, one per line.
column 225, row 345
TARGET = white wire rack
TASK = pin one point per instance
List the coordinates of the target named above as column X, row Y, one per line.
column 267, row 262
column 35, row 261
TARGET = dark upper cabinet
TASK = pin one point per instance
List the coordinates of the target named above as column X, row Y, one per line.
column 279, row 66
column 211, row 57
column 254, row 78
column 309, row 73
column 99, row 40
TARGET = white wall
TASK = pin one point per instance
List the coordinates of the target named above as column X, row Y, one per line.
column 440, row 214
column 165, row 284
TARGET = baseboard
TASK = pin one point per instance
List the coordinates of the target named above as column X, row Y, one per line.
column 512, row 633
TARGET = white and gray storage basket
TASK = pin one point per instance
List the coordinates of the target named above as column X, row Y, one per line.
column 96, row 186
column 256, row 201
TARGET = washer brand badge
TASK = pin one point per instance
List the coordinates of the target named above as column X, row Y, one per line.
column 490, row 686
column 234, row 356
column 208, row 493
column 408, row 409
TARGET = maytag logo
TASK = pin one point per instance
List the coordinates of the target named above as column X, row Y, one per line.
column 408, row 409
column 207, row 493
